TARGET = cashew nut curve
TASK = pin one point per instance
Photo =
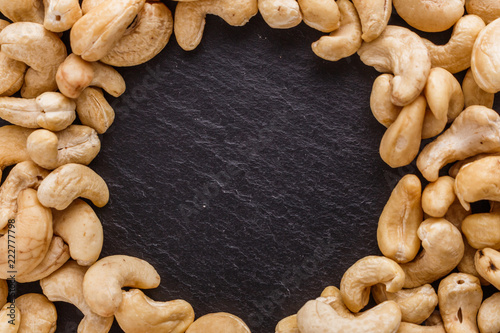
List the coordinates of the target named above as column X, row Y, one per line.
column 381, row 104
column 282, row 14
column 39, row 315
column 94, row 110
column 473, row 94
column 444, row 94
column 430, row 16
column 374, row 16
column 322, row 15
column 488, row 319
column 485, row 61
column 61, row 15
column 488, row 10
column 438, row 196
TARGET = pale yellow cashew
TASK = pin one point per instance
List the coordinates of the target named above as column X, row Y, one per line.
column 485, row 61
column 381, row 104
column 10, row 318
column 488, row 10
column 374, row 16
column 13, row 145
column 430, row 16
column 61, row 15
column 482, row 230
column 438, row 196
column 487, row 263
column 322, row 15
column 39, row 315
column 432, row 126
column 444, row 94
column 94, row 110
column 280, row 14
column 473, row 94
column 23, row 10
column 488, row 319
column 455, row 168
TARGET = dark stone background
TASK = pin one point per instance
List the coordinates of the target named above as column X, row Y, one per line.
column 246, row 172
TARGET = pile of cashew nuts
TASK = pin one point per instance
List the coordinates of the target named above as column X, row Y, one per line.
column 59, row 237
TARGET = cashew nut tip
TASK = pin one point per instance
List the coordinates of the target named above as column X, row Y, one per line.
column 374, row 16
column 444, row 94
column 94, row 110
column 218, row 322
column 487, row 318
column 61, row 15
column 282, row 14
column 39, row 315
column 485, row 62
column 381, row 104
column 473, row 94
column 103, row 282
column 322, row 15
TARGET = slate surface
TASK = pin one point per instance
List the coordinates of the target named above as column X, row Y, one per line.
column 246, row 172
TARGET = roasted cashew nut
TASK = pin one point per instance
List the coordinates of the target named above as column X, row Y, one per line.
column 488, row 319
column 94, row 110
column 488, row 10
column 61, row 15
column 103, row 282
column 444, row 94
column 482, row 230
column 13, row 145
column 39, row 315
column 438, row 196
column 430, row 16
column 10, row 318
column 322, row 15
column 487, row 263
column 374, row 16
column 485, row 61
column 282, row 14
column 473, row 94
column 22, row 10
column 381, row 104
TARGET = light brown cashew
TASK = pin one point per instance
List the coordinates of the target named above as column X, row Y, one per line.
column 369, row 271
column 13, row 145
column 401, row 142
column 138, row 313
column 333, row 297
column 76, row 74
column 10, row 318
column 398, row 224
column 22, row 10
column 487, row 263
column 282, row 14
column 42, row 50
column 322, row 15
column 218, row 322
column 430, row 16
column 66, row 285
column 488, row 10
column 473, row 95
column 381, row 104
column 443, row 249
column 103, row 281
column 98, row 31
column 401, row 52
column 414, row 328
column 374, row 16
column 39, row 315
column 466, row 265
column 488, row 319
column 148, row 36
column 438, row 196
column 81, row 229
column 476, row 130
column 56, row 256
column 485, row 61
column 61, row 15
column 346, row 40
column 478, row 180
column 189, row 20
column 444, row 94
column 287, row 325
column 416, row 304
column 69, row 182
column 455, row 168
column 456, row 214
column 94, row 110
column 482, row 230
column 460, row 297
column 76, row 144
column 24, row 175
column 316, row 316
column 50, row 110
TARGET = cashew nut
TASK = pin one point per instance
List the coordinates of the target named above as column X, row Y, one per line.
column 94, row 110
column 76, row 144
column 66, row 285
column 401, row 52
column 455, row 168
column 61, row 15
column 485, row 61
column 322, row 15
column 473, row 95
column 374, row 16
column 42, row 50
column 13, row 145
column 39, row 315
column 466, row 265
column 460, row 297
column 414, row 328
column 81, row 229
column 189, row 20
column 333, row 297
column 346, row 40
column 488, row 319
column 22, row 10
column 282, row 14
column 10, row 318
column 456, row 214
column 416, row 304
column 381, row 104
column 444, row 94
column 218, row 322
column 103, row 281
column 476, row 130
column 69, row 182
column 12, row 74
column 487, row 263
column 439, row 196
column 369, row 271
column 76, row 74
column 287, row 325
column 434, row 319
column 401, row 142
column 482, row 230
column 398, row 224
column 138, row 313
column 443, row 249
column 488, row 10
column 430, row 16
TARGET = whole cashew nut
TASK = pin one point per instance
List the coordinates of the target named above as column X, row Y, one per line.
column 401, row 52
column 10, row 318
column 444, row 94
column 94, row 110
column 488, row 10
column 488, row 319
column 61, row 15
column 13, row 145
column 282, row 14
column 39, row 315
column 322, row 15
column 103, row 282
column 482, row 230
column 485, row 61
column 374, row 16
column 473, row 94
column 438, row 196
column 487, row 263
column 22, row 10
column 430, row 16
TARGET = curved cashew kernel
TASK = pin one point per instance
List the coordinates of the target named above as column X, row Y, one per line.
column 456, row 214
column 76, row 144
column 444, row 94
column 316, row 316
column 343, row 42
column 473, row 95
column 401, row 142
column 488, row 319
column 381, row 104
column 443, row 249
column 374, row 16
column 333, row 297
column 103, row 281
column 76, row 74
column 282, row 14
column 138, row 313
column 10, row 318
column 455, row 168
column 414, row 328
column 218, row 322
column 22, row 10
column 13, row 145
column 56, row 256
column 12, row 73
column 439, row 196
column 42, row 50
column 61, row 15
column 460, row 297
column 66, row 285
column 401, row 52
column 24, row 175
column 287, row 325
column 189, row 20
column 94, row 110
column 482, row 230
column 488, row 10
column 69, row 182
column 369, row 271
column 476, row 130
column 98, row 31
column 485, row 61
column 487, row 263
column 431, row 16
column 466, row 265
column 148, row 35
column 398, row 224
column 39, row 315
column 81, row 229
column 322, row 15
column 51, row 110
